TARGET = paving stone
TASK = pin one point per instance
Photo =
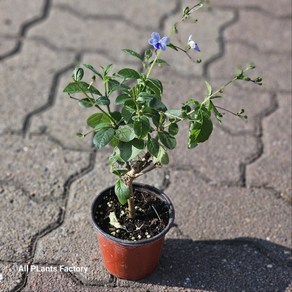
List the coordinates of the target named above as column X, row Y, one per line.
column 67, row 38
column 22, row 219
column 275, row 69
column 206, row 212
column 133, row 14
column 12, row 20
column 66, row 117
column 38, row 165
column 205, row 33
column 27, row 82
column 30, row 198
column 253, row 24
column 10, row 277
column 75, row 243
column 279, row 8
column 273, row 169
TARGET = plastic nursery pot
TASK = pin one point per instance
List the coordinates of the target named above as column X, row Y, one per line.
column 131, row 260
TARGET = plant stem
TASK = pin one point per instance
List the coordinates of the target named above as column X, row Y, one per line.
column 153, row 63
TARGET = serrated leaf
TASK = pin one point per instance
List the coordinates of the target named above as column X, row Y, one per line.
column 133, row 53
column 103, row 137
column 167, row 140
column 153, row 146
column 128, row 74
column 86, row 102
column 125, row 134
column 122, row 192
column 141, row 127
column 98, row 118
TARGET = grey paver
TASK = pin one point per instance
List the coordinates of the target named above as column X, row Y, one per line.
column 27, row 83
column 273, row 168
column 231, row 195
column 280, row 8
column 75, row 242
column 228, row 212
column 10, row 276
column 28, row 196
column 13, row 19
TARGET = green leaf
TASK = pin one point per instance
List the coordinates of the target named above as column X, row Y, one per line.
column 162, row 156
column 127, row 113
column 122, row 192
column 155, row 86
column 200, row 129
column 141, row 127
column 217, row 114
column 103, row 137
column 216, row 96
column 125, row 150
column 133, row 53
column 91, row 68
column 86, row 102
column 173, row 129
column 98, row 118
column 209, row 88
column 167, row 140
column 158, row 105
column 153, row 146
column 125, row 134
column 122, row 98
column 170, row 45
column 128, row 74
column 80, row 86
column 103, row 100
column 78, row 74
column 116, row 116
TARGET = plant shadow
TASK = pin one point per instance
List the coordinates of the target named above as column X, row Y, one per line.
column 241, row 264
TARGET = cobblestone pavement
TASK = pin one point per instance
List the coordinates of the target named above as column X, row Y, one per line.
column 232, row 195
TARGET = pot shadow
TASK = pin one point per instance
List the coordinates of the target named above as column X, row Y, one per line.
column 241, row 264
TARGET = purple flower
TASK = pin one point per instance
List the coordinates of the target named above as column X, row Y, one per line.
column 193, row 44
column 157, row 42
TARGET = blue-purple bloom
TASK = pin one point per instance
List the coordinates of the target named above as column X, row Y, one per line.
column 193, row 44
column 157, row 42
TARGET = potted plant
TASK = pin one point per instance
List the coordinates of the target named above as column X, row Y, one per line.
column 132, row 219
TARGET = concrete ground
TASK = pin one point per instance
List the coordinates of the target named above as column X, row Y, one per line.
column 232, row 195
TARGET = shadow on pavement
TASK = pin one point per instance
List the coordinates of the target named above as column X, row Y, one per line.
column 241, row 264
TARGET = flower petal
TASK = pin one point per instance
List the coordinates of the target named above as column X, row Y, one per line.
column 190, row 38
column 165, row 40
column 155, row 36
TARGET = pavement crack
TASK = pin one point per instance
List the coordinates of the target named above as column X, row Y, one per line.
column 25, row 28
column 51, row 98
column 221, row 42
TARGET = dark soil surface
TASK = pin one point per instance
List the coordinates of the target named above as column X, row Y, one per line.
column 152, row 215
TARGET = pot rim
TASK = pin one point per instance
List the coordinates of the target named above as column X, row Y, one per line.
column 158, row 236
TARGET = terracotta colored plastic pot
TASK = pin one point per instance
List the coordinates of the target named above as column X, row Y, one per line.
column 132, row 260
